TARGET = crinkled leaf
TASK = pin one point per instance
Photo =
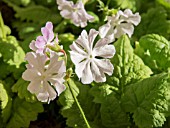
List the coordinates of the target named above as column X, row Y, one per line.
column 20, row 87
column 100, row 93
column 71, row 111
column 35, row 13
column 131, row 4
column 155, row 51
column 6, row 103
column 148, row 100
column 112, row 114
column 11, row 52
column 128, row 67
column 23, row 113
column 154, row 21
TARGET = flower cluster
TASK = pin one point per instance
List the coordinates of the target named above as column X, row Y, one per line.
column 90, row 53
column 119, row 24
column 75, row 12
column 45, row 72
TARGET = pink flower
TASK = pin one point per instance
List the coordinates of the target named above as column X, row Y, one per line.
column 47, row 38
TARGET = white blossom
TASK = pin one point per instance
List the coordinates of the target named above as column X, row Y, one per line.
column 119, row 24
column 75, row 12
column 85, row 55
column 46, row 81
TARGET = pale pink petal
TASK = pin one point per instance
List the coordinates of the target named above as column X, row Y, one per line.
column 124, row 28
column 98, row 75
column 106, row 51
column 32, row 45
column 49, row 26
column 87, row 76
column 80, row 68
column 30, row 74
column 35, row 86
column 92, row 35
column 83, row 40
column 60, row 88
column 40, row 42
column 105, row 65
column 48, row 35
column 76, row 48
column 76, row 57
column 103, row 30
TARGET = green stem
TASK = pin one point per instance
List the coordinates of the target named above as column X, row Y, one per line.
column 2, row 26
column 108, row 3
column 81, row 110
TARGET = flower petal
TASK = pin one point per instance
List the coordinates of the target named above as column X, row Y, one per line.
column 76, row 48
column 80, row 67
column 105, row 65
column 92, row 35
column 98, row 75
column 76, row 57
column 87, row 76
column 102, row 49
column 60, row 88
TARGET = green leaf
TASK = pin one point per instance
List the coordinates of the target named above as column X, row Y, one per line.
column 23, row 113
column 4, row 70
column 148, row 100
column 100, row 93
column 112, row 114
column 71, row 111
column 66, row 98
column 6, row 103
column 35, row 13
column 11, row 52
column 154, row 21
column 20, row 87
column 155, row 51
column 128, row 67
column 165, row 3
column 131, row 4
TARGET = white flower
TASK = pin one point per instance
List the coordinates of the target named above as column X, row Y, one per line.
column 44, row 79
column 75, row 12
column 119, row 24
column 84, row 55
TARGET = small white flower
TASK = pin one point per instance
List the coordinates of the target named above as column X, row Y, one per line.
column 44, row 79
column 75, row 12
column 119, row 24
column 84, row 55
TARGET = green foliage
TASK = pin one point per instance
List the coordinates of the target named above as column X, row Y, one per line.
column 128, row 67
column 112, row 114
column 6, row 103
column 15, row 55
column 71, row 111
column 148, row 100
column 21, row 88
column 154, row 50
column 23, row 113
column 154, row 21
